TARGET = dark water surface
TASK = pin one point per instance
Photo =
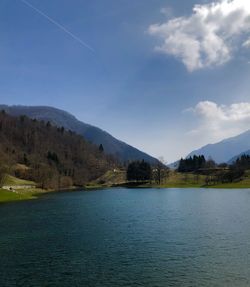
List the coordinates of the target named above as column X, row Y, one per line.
column 127, row 237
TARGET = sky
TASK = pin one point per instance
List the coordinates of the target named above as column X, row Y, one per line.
column 164, row 76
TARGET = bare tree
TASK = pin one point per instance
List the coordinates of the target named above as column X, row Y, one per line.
column 161, row 171
column 2, row 175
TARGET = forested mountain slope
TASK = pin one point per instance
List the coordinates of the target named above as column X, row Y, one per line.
column 113, row 146
column 52, row 156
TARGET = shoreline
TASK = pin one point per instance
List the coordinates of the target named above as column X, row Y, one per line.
column 10, row 196
column 7, row 196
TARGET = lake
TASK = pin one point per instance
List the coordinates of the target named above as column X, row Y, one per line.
column 127, row 237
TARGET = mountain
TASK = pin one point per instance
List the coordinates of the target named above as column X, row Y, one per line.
column 51, row 156
column 232, row 160
column 225, row 150
column 112, row 146
column 174, row 165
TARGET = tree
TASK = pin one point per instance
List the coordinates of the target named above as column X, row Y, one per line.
column 52, row 156
column 210, row 163
column 160, row 171
column 2, row 175
column 101, row 148
column 242, row 162
column 48, row 124
column 139, row 171
column 25, row 159
column 192, row 164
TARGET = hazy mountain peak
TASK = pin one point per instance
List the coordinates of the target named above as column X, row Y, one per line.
column 226, row 149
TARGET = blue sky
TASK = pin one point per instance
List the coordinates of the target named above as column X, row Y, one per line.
column 164, row 76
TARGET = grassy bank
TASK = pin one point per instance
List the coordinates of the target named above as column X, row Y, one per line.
column 240, row 184
column 7, row 195
column 18, row 189
column 174, row 180
column 182, row 180
column 11, row 180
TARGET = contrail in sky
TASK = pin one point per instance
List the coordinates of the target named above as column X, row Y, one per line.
column 61, row 27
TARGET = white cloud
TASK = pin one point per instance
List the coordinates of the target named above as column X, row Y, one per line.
column 246, row 44
column 209, row 36
column 221, row 121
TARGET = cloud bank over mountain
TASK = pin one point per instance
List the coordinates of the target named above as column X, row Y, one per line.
column 220, row 121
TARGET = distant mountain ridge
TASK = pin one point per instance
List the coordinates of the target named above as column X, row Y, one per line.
column 113, row 146
column 232, row 160
column 225, row 150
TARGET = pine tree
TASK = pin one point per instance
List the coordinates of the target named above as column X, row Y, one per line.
column 101, row 148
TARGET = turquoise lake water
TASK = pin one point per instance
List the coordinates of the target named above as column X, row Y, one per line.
column 127, row 237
